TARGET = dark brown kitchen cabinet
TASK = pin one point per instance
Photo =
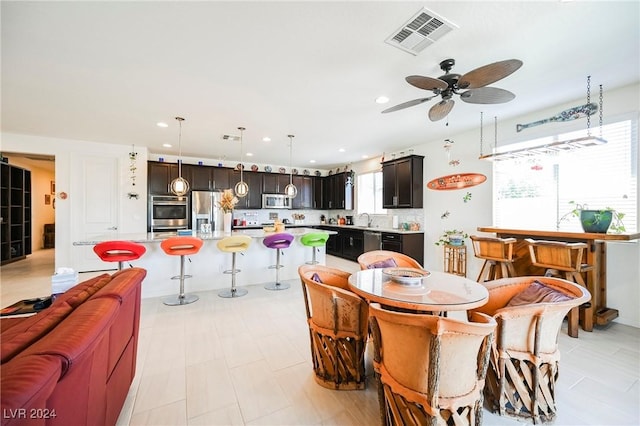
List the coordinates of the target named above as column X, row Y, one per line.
column 402, row 182
column 159, row 177
column 305, row 197
column 410, row 244
column 347, row 243
column 318, row 195
column 253, row 200
column 274, row 183
column 338, row 194
column 206, row 178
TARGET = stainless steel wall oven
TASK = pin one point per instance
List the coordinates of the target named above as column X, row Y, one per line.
column 168, row 213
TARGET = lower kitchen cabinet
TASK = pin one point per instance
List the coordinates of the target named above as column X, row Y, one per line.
column 410, row 244
column 347, row 243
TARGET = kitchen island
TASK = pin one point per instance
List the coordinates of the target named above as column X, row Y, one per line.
column 596, row 256
column 208, row 264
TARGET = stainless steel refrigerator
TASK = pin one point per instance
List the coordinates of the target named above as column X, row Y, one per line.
column 206, row 214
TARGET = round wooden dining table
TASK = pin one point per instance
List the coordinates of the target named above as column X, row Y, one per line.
column 437, row 292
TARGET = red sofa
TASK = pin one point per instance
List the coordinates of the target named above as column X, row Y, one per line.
column 73, row 363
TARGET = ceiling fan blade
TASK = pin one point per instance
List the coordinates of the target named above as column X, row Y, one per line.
column 488, row 74
column 426, row 83
column 487, row 95
column 408, row 104
column 441, row 110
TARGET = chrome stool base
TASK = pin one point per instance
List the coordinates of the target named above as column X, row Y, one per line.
column 233, row 292
column 277, row 286
column 312, row 262
column 180, row 300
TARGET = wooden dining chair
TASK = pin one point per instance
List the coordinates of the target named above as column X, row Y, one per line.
column 430, row 370
column 337, row 320
column 386, row 259
column 521, row 381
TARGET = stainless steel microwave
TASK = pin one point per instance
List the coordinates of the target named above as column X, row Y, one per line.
column 276, row 201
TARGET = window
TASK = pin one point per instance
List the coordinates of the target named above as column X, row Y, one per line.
column 369, row 187
column 535, row 193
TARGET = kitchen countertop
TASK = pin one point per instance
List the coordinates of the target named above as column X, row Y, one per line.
column 216, row 235
column 374, row 229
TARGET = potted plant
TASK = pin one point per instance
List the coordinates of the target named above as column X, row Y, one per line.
column 452, row 237
column 597, row 221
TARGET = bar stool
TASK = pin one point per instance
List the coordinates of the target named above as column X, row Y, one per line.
column 234, row 244
column 278, row 242
column 564, row 260
column 119, row 251
column 498, row 257
column 314, row 240
column 181, row 246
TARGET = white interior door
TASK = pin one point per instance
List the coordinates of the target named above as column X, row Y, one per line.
column 95, row 200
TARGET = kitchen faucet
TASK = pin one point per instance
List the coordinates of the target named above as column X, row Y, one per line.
column 368, row 219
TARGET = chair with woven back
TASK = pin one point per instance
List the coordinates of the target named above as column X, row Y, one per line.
column 385, row 258
column 430, row 370
column 337, row 320
column 523, row 370
column 562, row 259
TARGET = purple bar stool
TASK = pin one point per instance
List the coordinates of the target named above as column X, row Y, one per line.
column 278, row 242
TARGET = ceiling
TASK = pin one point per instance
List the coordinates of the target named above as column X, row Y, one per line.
column 109, row 71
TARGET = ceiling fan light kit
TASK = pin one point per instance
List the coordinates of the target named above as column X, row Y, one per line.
column 473, row 83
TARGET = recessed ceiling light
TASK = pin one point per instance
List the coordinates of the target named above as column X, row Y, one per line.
column 266, row 139
column 382, row 100
column 249, row 154
column 341, row 150
column 365, row 156
column 167, row 145
column 161, row 124
column 312, row 161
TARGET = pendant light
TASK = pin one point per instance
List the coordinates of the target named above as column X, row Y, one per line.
column 290, row 190
column 179, row 185
column 241, row 188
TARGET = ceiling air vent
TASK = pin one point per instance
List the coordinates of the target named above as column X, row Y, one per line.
column 230, row 138
column 422, row 30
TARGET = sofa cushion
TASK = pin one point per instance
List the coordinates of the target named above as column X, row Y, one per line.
column 81, row 292
column 385, row 263
column 537, row 292
column 17, row 338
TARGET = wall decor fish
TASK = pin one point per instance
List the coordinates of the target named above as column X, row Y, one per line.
column 566, row 115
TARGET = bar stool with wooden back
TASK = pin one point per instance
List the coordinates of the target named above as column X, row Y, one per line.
column 234, row 244
column 314, row 240
column 277, row 242
column 498, row 257
column 119, row 251
column 181, row 246
column 562, row 259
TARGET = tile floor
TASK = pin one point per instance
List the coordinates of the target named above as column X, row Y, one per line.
column 246, row 361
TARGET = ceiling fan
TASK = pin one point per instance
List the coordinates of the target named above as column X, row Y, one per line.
column 473, row 83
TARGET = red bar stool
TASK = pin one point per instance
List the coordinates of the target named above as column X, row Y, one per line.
column 181, row 246
column 277, row 242
column 234, row 244
column 119, row 251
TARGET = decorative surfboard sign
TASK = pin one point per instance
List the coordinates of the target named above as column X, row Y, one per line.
column 457, row 181
column 566, row 115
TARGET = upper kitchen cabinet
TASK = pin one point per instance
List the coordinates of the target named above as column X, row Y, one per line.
column 305, row 198
column 336, row 193
column 206, row 178
column 253, row 200
column 274, row 183
column 402, row 182
column 159, row 177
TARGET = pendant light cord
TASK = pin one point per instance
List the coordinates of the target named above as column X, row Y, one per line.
column 290, row 159
column 180, row 120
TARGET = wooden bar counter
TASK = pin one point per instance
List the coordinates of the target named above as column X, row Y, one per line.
column 596, row 256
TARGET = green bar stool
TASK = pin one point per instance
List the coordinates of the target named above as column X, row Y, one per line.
column 314, row 240
column 234, row 244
